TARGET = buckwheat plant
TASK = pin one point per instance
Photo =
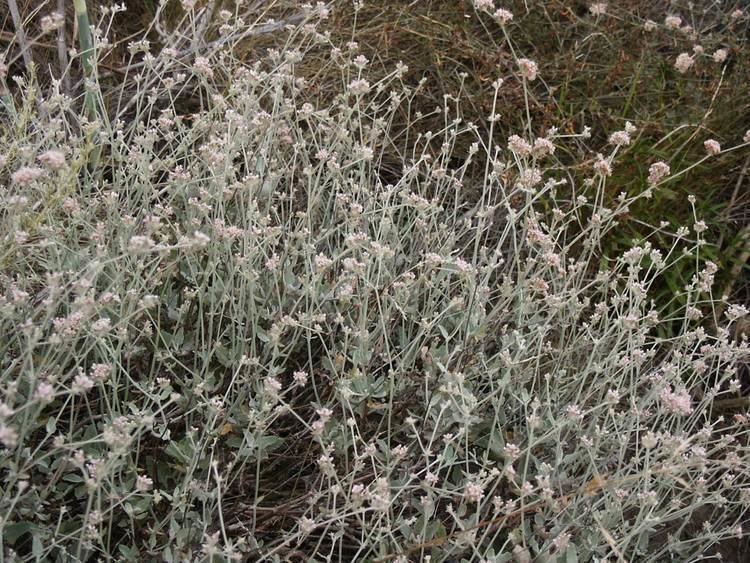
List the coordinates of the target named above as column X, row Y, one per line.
column 243, row 334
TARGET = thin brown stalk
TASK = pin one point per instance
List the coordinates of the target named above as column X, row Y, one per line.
column 20, row 34
column 24, row 45
column 206, row 17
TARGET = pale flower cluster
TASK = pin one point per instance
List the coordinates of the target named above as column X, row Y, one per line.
column 26, row 175
column 684, row 62
column 52, row 159
column 657, row 171
column 528, row 69
column 712, row 147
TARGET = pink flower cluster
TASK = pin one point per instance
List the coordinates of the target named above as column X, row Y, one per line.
column 676, row 402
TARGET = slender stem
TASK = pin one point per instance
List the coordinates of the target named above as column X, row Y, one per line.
column 28, row 60
column 206, row 18
column 62, row 51
column 20, row 34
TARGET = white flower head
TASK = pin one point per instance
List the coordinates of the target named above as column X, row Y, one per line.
column 473, row 492
column 143, row 483
column 503, row 16
column 54, row 160
column 528, row 69
column 673, row 22
column 26, row 175
column 712, row 147
column 684, row 62
column 657, row 171
column 359, row 87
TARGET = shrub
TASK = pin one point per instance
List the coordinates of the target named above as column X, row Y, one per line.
column 230, row 331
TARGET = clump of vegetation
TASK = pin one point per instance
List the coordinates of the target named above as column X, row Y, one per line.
column 253, row 313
